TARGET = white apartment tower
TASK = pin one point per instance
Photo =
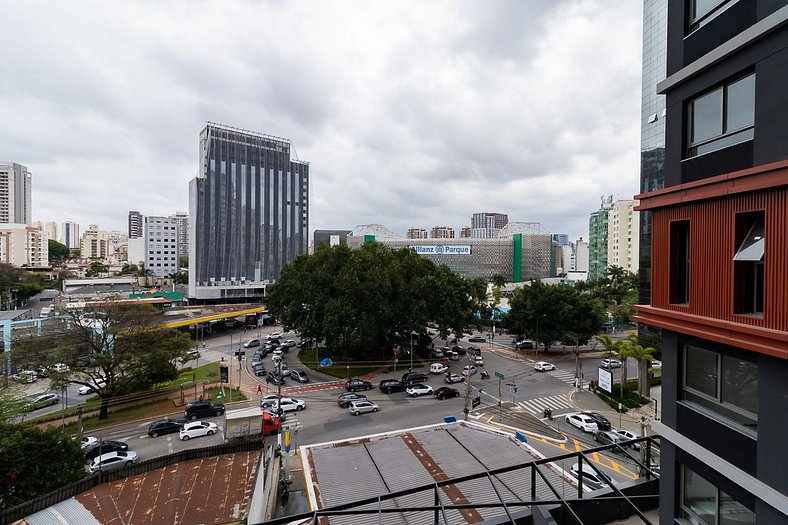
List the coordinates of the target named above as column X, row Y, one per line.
column 15, row 194
column 623, row 235
column 69, row 235
column 182, row 220
column 161, row 245
column 23, row 246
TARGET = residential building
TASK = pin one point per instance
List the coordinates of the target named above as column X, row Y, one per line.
column 23, row 246
column 442, row 232
column 50, row 228
column 486, row 225
column 574, row 256
column 561, row 238
column 719, row 264
column 623, row 235
column 465, row 232
column 15, row 194
column 94, row 243
column 69, row 235
column 597, row 239
column 182, row 220
column 249, row 213
column 136, row 220
column 416, row 233
column 160, row 236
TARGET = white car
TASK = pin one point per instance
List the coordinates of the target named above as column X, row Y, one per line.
column 288, row 344
column 469, row 370
column 610, row 363
column 289, row 404
column 112, row 461
column 60, row 368
column 453, row 378
column 479, row 360
column 275, row 335
column 630, row 435
column 87, row 441
column 581, row 421
column 362, row 407
column 543, row 366
column 591, row 478
column 87, row 389
column 419, row 389
column 268, row 400
column 25, row 376
column 438, row 368
column 197, row 429
column 656, row 364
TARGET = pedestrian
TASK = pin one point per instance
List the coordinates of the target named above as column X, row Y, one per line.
column 259, row 389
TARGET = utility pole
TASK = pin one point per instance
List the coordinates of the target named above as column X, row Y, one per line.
column 468, row 390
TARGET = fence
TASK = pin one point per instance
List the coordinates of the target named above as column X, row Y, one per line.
column 69, row 491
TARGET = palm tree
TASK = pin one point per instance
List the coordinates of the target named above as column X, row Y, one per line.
column 642, row 354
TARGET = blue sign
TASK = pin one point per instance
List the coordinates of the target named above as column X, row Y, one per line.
column 442, row 249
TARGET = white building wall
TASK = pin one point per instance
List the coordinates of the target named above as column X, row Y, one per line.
column 69, row 235
column 23, row 245
column 623, row 235
column 581, row 255
column 161, row 245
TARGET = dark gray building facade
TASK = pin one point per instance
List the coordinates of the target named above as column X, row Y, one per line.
column 249, row 210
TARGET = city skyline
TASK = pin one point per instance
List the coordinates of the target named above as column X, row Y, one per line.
column 456, row 107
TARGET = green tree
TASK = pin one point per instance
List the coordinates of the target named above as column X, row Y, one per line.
column 12, row 402
column 17, row 286
column 129, row 269
column 115, row 348
column 643, row 355
column 36, row 462
column 95, row 269
column 617, row 289
column 58, row 253
column 365, row 302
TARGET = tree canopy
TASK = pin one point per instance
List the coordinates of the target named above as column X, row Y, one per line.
column 365, row 302
column 548, row 313
column 617, row 288
column 18, row 285
column 36, row 462
column 114, row 348
column 57, row 252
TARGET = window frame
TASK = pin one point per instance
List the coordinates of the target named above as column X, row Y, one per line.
column 695, row 21
column 749, row 274
column 707, row 402
column 692, row 146
column 686, row 513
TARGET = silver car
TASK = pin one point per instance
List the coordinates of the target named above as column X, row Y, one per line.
column 113, row 461
column 362, row 407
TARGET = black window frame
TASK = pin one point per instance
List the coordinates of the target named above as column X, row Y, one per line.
column 680, row 267
column 695, row 21
column 749, row 263
column 723, row 139
column 722, row 501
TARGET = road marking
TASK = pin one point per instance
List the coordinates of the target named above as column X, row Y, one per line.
column 169, row 444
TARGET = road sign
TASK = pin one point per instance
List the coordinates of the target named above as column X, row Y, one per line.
column 476, row 402
column 499, row 375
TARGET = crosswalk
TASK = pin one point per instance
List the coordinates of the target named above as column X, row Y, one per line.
column 555, row 403
column 567, row 376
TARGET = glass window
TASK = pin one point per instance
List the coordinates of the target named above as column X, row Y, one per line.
column 748, row 263
column 704, row 11
column 723, row 117
column 701, row 370
column 751, row 248
column 702, row 503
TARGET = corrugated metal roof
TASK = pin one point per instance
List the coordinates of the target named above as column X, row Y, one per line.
column 68, row 512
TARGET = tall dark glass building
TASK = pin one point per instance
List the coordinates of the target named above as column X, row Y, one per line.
column 250, row 213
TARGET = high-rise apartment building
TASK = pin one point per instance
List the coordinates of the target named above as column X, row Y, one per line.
column 442, row 232
column 719, row 264
column 15, row 194
column 623, row 235
column 182, row 219
column 94, row 244
column 416, row 233
column 160, row 243
column 24, row 246
column 574, row 256
column 465, row 232
column 69, row 235
column 597, row 240
column 486, row 225
column 249, row 213
column 136, row 225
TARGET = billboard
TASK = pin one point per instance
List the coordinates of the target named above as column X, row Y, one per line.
column 606, row 380
column 442, row 249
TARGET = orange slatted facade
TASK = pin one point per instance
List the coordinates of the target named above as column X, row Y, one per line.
column 711, row 210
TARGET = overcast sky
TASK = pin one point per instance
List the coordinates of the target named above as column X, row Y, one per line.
column 411, row 113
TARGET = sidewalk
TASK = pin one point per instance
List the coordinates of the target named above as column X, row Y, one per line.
column 630, row 420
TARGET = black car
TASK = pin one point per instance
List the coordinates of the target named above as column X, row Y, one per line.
column 94, row 451
column 203, row 409
column 411, row 378
column 475, row 350
column 165, row 426
column 446, row 392
column 275, row 378
column 258, row 371
column 477, row 339
column 602, row 423
column 345, row 399
column 388, row 386
column 357, row 384
column 460, row 350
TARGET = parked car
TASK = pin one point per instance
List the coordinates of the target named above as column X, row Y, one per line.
column 609, row 362
column 355, row 384
column 629, row 435
column 591, row 478
column 543, row 366
column 419, row 389
column 453, row 378
column 299, row 375
column 362, row 407
column 478, row 360
column 438, row 368
column 288, row 344
column 474, row 350
column 200, row 409
column 459, row 349
column 87, row 389
column 251, row 343
column 453, row 356
column 258, row 370
column 524, row 344
column 477, row 339
column 104, row 447
column 41, row 371
column 446, row 392
column 469, row 370
column 345, row 399
column 581, row 421
column 389, row 386
column 437, row 353
column 41, row 401
column 608, row 437
column 197, row 429
column 656, row 364
column 87, row 441
column 288, row 404
column 268, row 400
column 275, row 378
column 60, row 368
column 25, row 376
column 410, row 378
column 601, row 421
column 165, row 426
column 112, row 461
